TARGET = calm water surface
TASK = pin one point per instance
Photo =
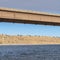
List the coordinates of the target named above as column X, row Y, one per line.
column 30, row 52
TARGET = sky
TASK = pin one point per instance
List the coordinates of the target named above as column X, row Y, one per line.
column 50, row 6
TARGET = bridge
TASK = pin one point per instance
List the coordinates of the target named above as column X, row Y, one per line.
column 29, row 17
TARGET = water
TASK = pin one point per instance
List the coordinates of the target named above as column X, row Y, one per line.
column 30, row 52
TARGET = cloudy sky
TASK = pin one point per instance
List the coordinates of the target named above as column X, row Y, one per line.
column 51, row 6
column 39, row 5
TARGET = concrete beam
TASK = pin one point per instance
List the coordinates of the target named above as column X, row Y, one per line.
column 29, row 17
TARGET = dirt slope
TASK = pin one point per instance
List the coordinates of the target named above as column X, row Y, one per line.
column 6, row 39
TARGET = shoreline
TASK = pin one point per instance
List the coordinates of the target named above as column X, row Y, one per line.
column 26, row 44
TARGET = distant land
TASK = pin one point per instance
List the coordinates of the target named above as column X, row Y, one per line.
column 28, row 40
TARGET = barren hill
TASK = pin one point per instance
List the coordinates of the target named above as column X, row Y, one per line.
column 8, row 39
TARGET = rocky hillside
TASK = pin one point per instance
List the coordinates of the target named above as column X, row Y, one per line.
column 7, row 39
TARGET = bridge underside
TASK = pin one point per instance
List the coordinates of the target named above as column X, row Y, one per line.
column 29, row 22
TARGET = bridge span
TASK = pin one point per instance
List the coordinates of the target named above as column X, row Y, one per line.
column 29, row 17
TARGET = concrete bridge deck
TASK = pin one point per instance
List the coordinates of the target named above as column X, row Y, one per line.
column 29, row 17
